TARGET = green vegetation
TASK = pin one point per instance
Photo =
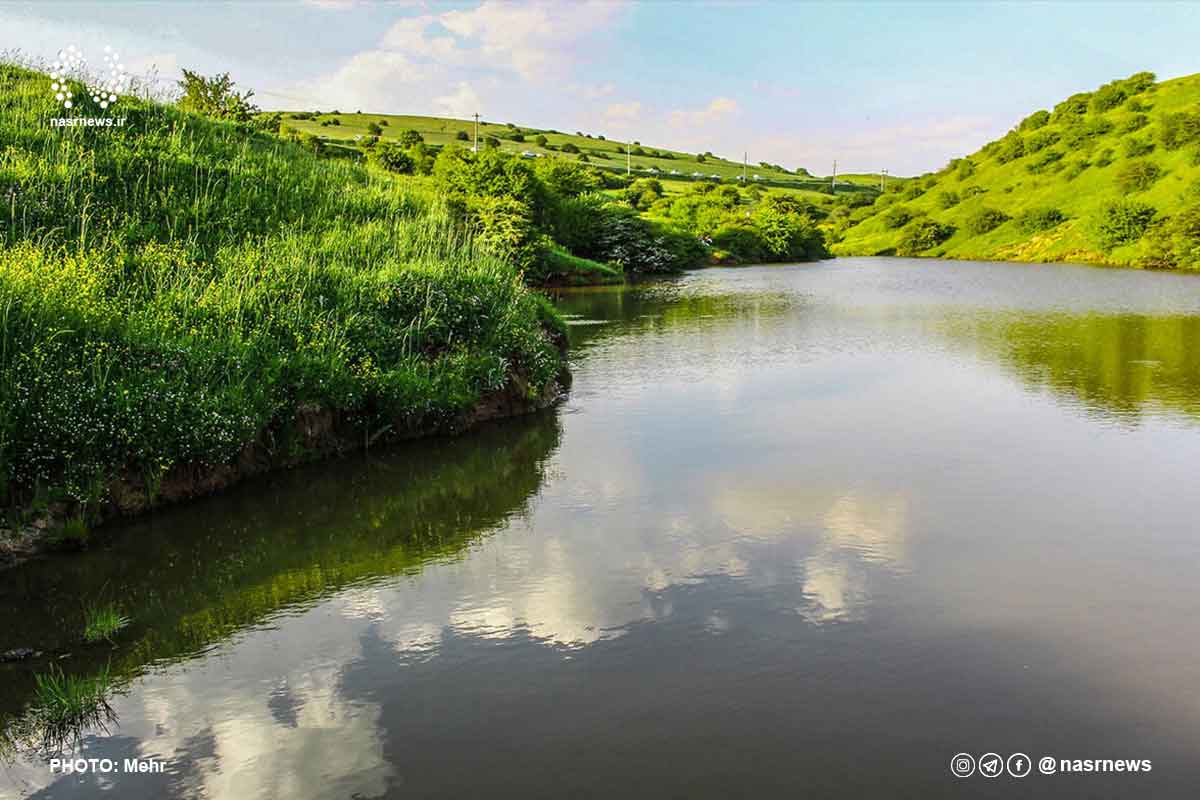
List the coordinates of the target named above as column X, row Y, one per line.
column 66, row 705
column 1104, row 178
column 182, row 297
column 103, row 622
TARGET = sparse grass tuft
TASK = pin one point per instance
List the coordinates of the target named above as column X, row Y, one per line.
column 103, row 622
column 65, row 706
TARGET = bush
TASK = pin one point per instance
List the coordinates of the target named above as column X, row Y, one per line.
column 392, row 157
column 1175, row 244
column 1179, row 129
column 462, row 136
column 570, row 147
column 541, row 140
column 948, row 199
column 922, row 235
column 1105, row 157
column 896, row 217
column 1010, row 148
column 1121, row 222
column 491, row 143
column 965, row 169
column 503, row 228
column 373, row 129
column 1134, row 147
column 1074, row 106
column 410, row 138
column 215, row 97
column 1047, row 161
column 1040, row 141
column 984, row 221
column 1138, row 176
column 1134, row 122
column 1040, row 219
column 1036, row 120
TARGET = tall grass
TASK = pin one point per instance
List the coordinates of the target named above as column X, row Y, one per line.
column 176, row 289
column 65, row 706
column 103, row 622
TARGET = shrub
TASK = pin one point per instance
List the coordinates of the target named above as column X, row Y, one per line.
column 1104, row 158
column 1040, row 219
column 1133, row 147
column 1036, row 120
column 985, row 220
column 1134, row 122
column 1047, row 161
column 1138, row 176
column 1075, row 169
column 462, row 136
column 1179, row 129
column 570, row 147
column 373, row 129
column 1040, row 141
column 1121, row 222
column 1074, row 106
column 215, row 97
column 965, row 169
column 896, row 217
column 384, row 123
column 1175, row 243
column 503, row 228
column 410, row 138
column 1010, row 147
column 392, row 157
column 517, row 137
column 541, row 140
column 948, row 199
column 491, row 142
column 922, row 235
column 1080, row 132
column 1108, row 96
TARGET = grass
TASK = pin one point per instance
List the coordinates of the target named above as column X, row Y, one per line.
column 177, row 290
column 65, row 706
column 674, row 167
column 1061, row 171
column 101, row 623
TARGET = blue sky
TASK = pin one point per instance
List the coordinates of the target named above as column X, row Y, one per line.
column 896, row 85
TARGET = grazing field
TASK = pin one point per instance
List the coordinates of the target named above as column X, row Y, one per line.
column 670, row 166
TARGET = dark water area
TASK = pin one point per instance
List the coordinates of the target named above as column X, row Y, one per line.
column 806, row 530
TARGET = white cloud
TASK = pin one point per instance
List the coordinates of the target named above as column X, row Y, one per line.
column 620, row 115
column 718, row 109
column 445, row 62
column 462, row 102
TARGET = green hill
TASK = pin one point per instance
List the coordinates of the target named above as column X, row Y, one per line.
column 669, row 166
column 184, row 301
column 1110, row 176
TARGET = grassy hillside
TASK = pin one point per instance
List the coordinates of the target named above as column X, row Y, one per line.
column 675, row 168
column 182, row 300
column 1111, row 176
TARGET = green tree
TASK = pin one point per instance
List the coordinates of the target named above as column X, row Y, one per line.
column 215, row 97
column 410, row 138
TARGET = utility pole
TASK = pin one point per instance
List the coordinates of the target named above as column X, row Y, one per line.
column 882, row 181
column 628, row 163
column 475, row 148
column 745, row 157
column 833, row 185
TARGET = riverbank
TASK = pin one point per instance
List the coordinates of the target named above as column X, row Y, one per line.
column 185, row 302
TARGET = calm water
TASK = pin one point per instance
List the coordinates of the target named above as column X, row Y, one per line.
column 803, row 531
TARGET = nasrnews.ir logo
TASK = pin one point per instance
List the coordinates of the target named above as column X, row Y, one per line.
column 1018, row 765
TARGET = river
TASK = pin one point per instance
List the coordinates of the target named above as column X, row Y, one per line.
column 803, row 531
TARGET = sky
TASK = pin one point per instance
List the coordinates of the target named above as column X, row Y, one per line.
column 876, row 85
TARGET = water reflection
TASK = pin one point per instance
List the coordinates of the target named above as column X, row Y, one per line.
column 1124, row 365
column 786, row 517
